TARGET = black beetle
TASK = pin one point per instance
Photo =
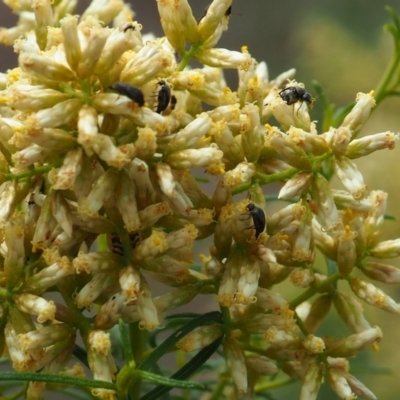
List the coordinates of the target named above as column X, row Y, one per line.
column 173, row 102
column 163, row 97
column 258, row 218
column 294, row 94
column 133, row 92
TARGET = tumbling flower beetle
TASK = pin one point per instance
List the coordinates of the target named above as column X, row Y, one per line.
column 134, row 93
column 228, row 12
column 294, row 94
column 258, row 218
column 115, row 244
column 163, row 97
column 173, row 102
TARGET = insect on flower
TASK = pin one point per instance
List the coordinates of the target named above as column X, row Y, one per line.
column 293, row 94
column 133, row 92
column 129, row 26
column 258, row 218
column 228, row 12
column 115, row 245
column 173, row 102
column 163, row 97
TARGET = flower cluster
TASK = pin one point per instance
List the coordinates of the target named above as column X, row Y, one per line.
column 101, row 130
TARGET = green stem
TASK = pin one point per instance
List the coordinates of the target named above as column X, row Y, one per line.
column 381, row 90
column 187, row 56
column 272, row 385
column 126, row 345
column 29, row 173
column 138, row 345
column 313, row 290
column 226, row 317
column 170, row 382
column 66, row 289
column 54, row 378
column 254, row 349
column 300, row 324
column 264, row 179
column 219, row 388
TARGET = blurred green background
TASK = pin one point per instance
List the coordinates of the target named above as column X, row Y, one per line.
column 341, row 44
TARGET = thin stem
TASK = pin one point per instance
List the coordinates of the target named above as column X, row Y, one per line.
column 264, row 179
column 138, row 346
column 54, row 378
column 272, row 385
column 300, row 324
column 125, row 342
column 219, row 388
column 313, row 290
column 381, row 90
column 65, row 288
column 187, row 56
column 29, row 173
column 226, row 316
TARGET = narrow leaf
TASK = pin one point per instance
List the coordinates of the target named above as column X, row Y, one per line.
column 170, row 382
column 194, row 364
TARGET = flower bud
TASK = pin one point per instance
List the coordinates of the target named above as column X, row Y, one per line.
column 358, row 388
column 99, row 283
column 252, row 132
column 346, row 251
column 339, row 385
column 110, row 312
column 270, row 300
column 146, row 308
column 129, row 280
column 101, row 190
column 282, row 338
column 357, row 117
column 247, row 283
column 288, row 150
column 212, row 18
column 311, row 382
column 100, row 361
column 261, row 365
column 191, row 158
column 222, row 58
column 70, row 169
column 350, row 310
column 223, row 231
column 325, row 205
column 227, row 142
column 126, row 203
column 31, row 304
column 73, row 52
column 350, row 176
column 242, row 173
column 296, row 186
column 309, row 142
column 200, row 337
column 381, row 272
column 178, row 23
column 340, row 139
column 318, row 310
column 368, row 144
column 235, row 361
column 387, row 249
column 313, row 344
column 374, row 296
column 302, row 277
